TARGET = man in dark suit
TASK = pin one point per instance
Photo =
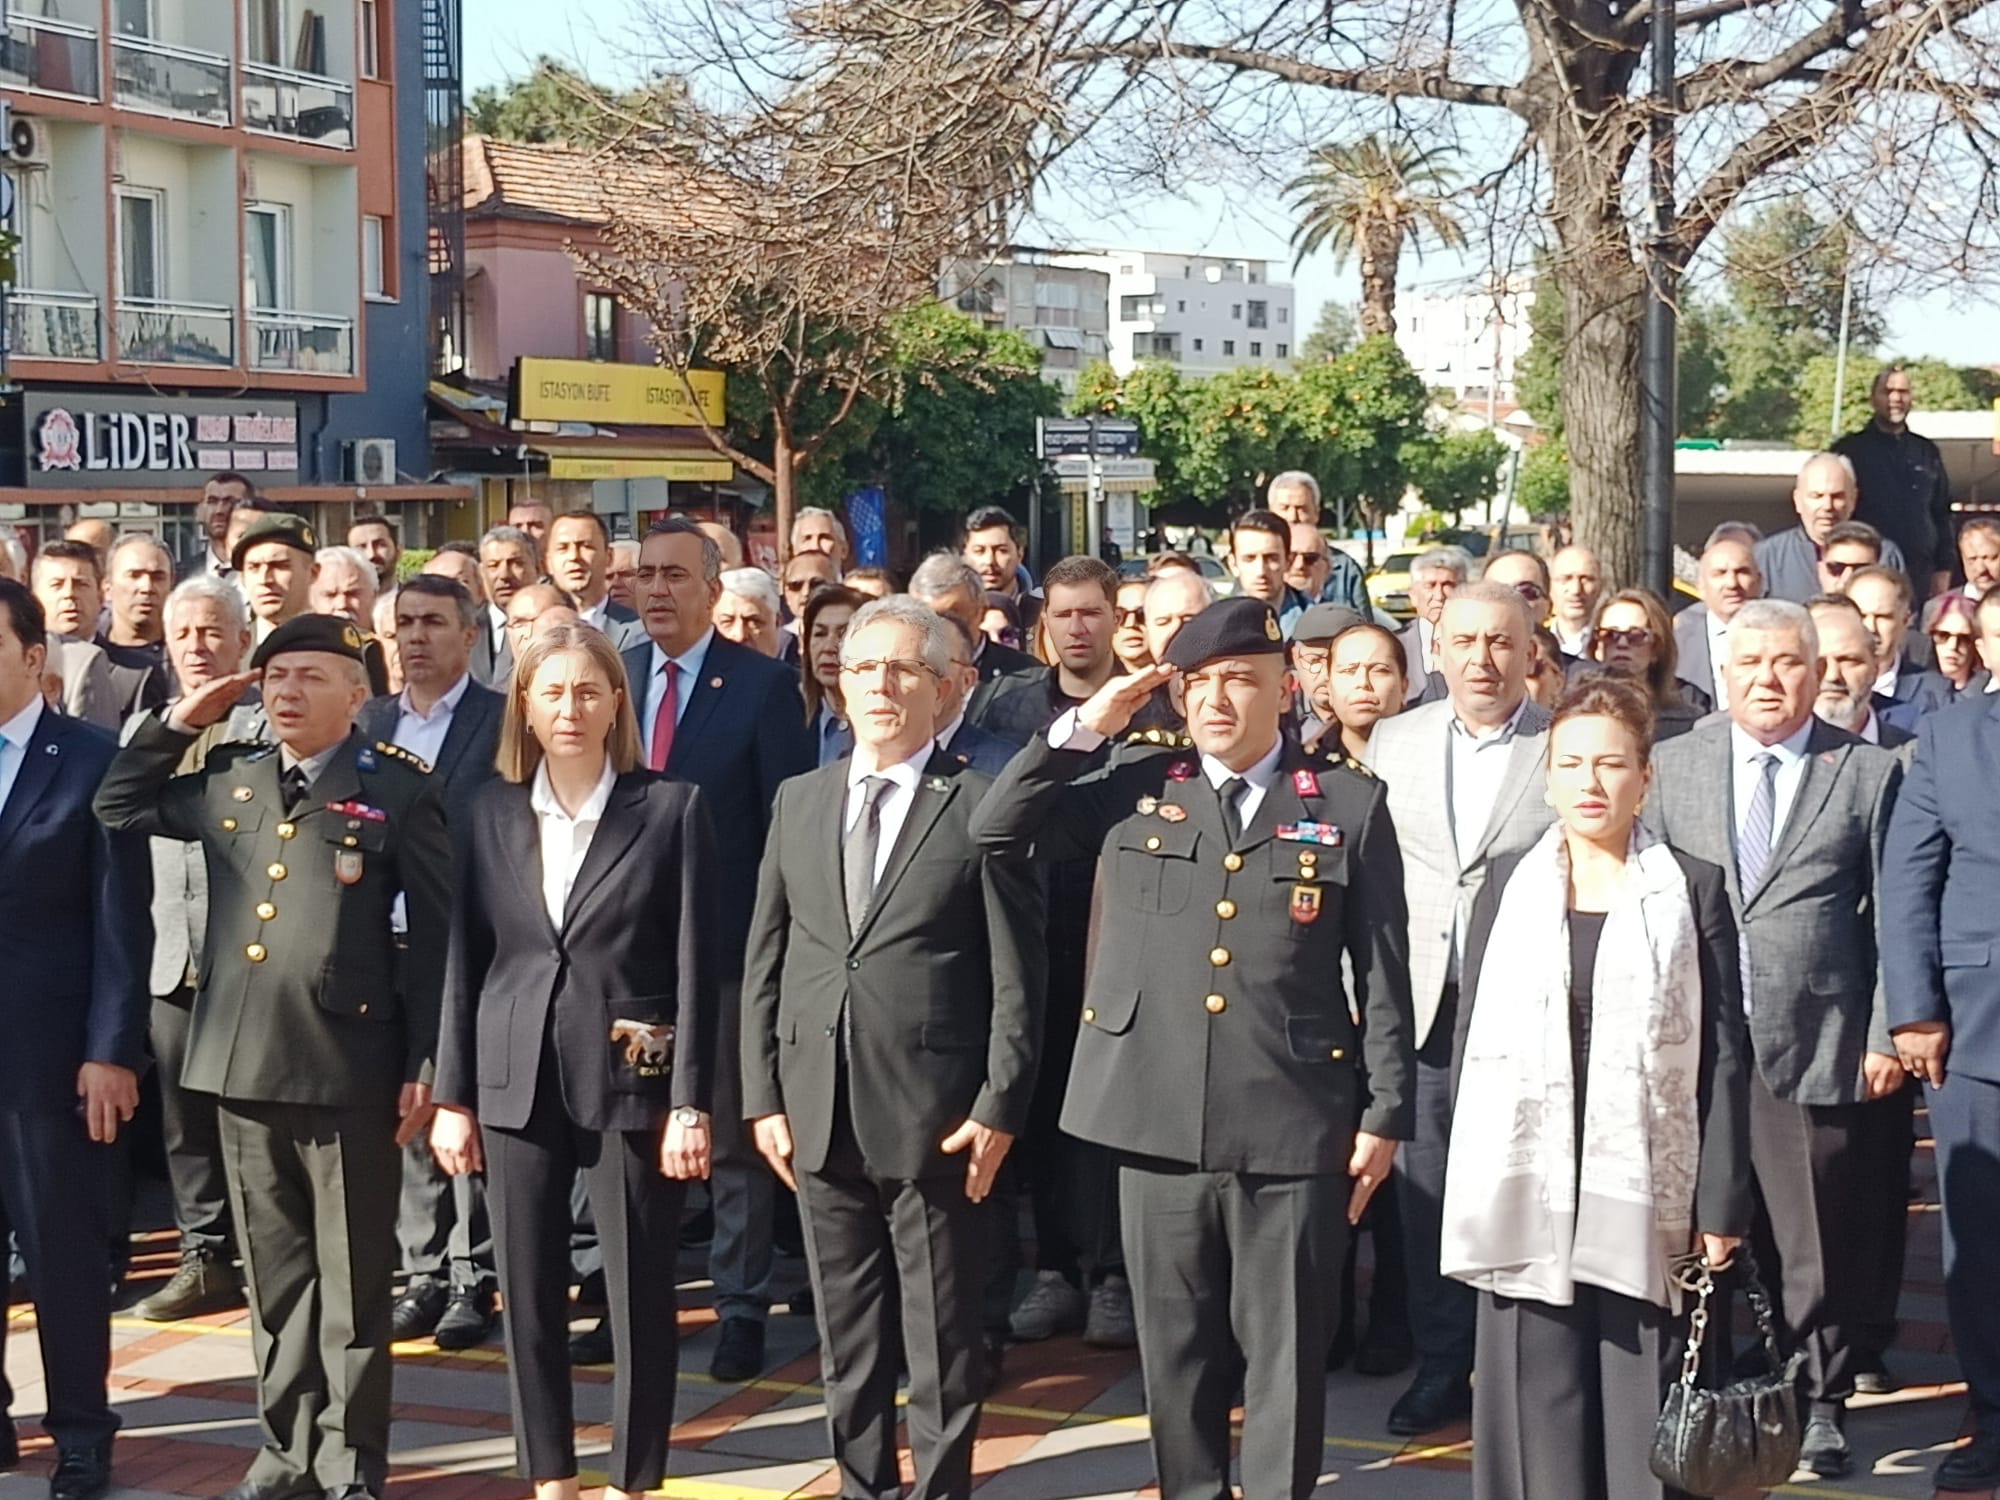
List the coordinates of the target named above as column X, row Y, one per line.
column 219, row 498
column 963, row 741
column 890, row 1033
column 509, row 561
column 1905, row 691
column 452, row 724
column 1080, row 594
column 1847, row 674
column 951, row 586
column 312, row 1028
column 729, row 719
column 578, row 559
column 1728, row 578
column 1940, row 930
column 1799, row 834
column 1249, row 870
column 73, row 941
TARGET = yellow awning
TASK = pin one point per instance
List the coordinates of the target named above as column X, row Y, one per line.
column 705, row 467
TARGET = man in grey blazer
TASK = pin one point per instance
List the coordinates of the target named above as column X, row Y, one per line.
column 1729, row 578
column 1465, row 788
column 1795, row 811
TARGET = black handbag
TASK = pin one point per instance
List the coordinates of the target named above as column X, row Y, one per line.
column 1743, row 1436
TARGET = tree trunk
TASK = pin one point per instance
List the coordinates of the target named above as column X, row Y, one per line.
column 1600, row 397
column 1381, row 250
column 784, row 486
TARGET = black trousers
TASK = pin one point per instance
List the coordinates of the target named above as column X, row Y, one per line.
column 868, row 1236
column 1965, row 1119
column 1568, row 1397
column 1888, row 1144
column 52, row 1179
column 1222, row 1261
column 313, row 1191
column 192, row 1138
column 637, row 1213
column 1441, row 1309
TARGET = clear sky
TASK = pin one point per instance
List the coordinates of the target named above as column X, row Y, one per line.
column 504, row 36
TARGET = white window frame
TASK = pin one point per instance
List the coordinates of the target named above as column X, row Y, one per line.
column 281, row 268
column 157, row 197
column 368, row 51
column 375, row 245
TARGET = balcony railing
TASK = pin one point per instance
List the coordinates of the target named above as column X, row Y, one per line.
column 303, row 106
column 163, row 80
column 152, row 332
column 308, row 343
column 49, row 56
column 52, row 325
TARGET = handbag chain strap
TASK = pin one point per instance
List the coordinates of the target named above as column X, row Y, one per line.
column 1698, row 1277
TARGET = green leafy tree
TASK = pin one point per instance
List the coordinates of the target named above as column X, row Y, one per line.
column 1359, row 413
column 1097, row 387
column 1369, row 198
column 1455, row 471
column 1238, row 433
column 554, row 102
column 1335, row 332
column 1542, row 486
column 1702, row 381
column 1785, row 267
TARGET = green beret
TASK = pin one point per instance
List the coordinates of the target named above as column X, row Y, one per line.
column 278, row 526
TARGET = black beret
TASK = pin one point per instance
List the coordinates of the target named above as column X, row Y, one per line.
column 1325, row 621
column 334, row 634
column 1235, row 627
column 277, row 526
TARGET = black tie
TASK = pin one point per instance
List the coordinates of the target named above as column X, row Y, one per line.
column 857, row 852
column 1231, row 793
column 295, row 784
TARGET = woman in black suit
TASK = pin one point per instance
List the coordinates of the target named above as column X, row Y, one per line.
column 578, row 1035
column 1600, row 1131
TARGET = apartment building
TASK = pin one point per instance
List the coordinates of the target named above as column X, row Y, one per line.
column 1463, row 341
column 1063, row 310
column 1202, row 313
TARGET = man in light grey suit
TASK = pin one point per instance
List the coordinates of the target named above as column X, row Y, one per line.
column 1795, row 811
column 1729, row 579
column 1465, row 788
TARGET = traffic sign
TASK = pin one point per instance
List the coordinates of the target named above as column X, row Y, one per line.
column 1059, row 437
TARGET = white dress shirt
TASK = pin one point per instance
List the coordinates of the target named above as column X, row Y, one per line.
column 690, row 664
column 1257, row 780
column 423, row 735
column 565, row 840
column 1745, row 774
column 14, row 737
column 496, row 628
column 598, row 616
column 1718, row 657
column 894, row 806
column 1476, row 765
column 1426, row 648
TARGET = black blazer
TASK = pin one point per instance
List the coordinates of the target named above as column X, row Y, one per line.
column 940, row 992
column 1722, row 1195
column 744, row 731
column 465, row 761
column 76, row 937
column 637, row 944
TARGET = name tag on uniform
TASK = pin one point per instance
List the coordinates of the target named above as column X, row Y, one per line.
column 1311, row 833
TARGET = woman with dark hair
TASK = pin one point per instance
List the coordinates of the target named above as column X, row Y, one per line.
column 1632, row 635
column 1951, row 623
column 1600, row 1134
column 1000, row 619
column 578, row 1035
column 822, row 627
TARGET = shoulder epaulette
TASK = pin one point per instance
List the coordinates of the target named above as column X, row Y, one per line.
column 397, row 752
column 247, row 749
column 1166, row 739
column 1341, row 759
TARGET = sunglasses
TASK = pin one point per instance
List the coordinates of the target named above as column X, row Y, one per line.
column 1131, row 616
column 1842, row 569
column 1952, row 637
column 1637, row 635
column 1310, row 559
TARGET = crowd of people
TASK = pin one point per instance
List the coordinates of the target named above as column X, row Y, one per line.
column 1557, row 940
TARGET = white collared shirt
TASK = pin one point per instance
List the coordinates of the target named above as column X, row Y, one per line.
column 1718, row 657
column 597, row 617
column 1257, row 780
column 216, row 566
column 894, row 807
column 950, row 731
column 423, row 735
column 690, row 663
column 1477, row 764
column 496, row 628
column 565, row 840
column 14, row 737
column 1425, row 663
column 1575, row 645
column 1745, row 774
column 1886, row 683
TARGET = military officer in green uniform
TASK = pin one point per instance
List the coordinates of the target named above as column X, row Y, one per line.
column 315, row 1039
column 1219, row 1053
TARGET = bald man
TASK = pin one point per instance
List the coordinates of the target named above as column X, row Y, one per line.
column 1824, row 496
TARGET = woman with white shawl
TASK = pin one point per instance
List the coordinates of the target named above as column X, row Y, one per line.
column 1600, row 1131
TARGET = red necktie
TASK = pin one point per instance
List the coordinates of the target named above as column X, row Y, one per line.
column 663, row 723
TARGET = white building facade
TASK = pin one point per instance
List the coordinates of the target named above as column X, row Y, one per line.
column 1457, row 342
column 1202, row 313
column 1061, row 308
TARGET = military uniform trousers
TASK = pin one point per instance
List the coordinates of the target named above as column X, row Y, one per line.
column 190, row 1135
column 637, row 1214
column 313, row 1192
column 1234, row 1260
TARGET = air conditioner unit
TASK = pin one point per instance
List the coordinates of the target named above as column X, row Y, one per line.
column 371, row 461
column 28, row 141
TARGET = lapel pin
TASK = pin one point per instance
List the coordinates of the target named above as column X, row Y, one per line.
column 1173, row 812
column 51, row 749
column 938, row 783
column 241, row 793
column 715, row 682
column 1147, row 805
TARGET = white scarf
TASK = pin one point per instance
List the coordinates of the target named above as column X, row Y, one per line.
column 1519, row 1219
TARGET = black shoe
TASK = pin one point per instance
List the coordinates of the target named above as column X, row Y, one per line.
column 801, row 1304
column 1974, row 1467
column 590, row 1293
column 468, row 1319
column 1872, row 1377
column 418, row 1310
column 1824, row 1450
column 593, row 1345
column 10, row 1446
column 996, row 1361
column 698, row 1232
column 739, row 1351
column 1431, row 1402
column 1342, row 1348
column 205, row 1283
column 82, row 1473
column 1386, row 1353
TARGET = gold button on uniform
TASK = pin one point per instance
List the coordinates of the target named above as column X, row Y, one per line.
column 362, row 1008
column 266, row 911
column 1225, row 909
column 255, row 953
column 1232, row 862
column 1215, row 1005
column 1337, row 1054
column 288, row 830
column 275, row 871
column 1219, row 957
column 351, row 841
column 1089, row 1014
column 1152, row 843
column 229, row 825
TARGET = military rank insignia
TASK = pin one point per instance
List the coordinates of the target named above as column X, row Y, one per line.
column 1327, row 834
column 1306, row 783
column 1305, row 904
column 347, row 866
column 1180, row 770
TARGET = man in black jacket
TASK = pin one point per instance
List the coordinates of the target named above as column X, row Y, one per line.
column 1905, row 493
column 892, row 1018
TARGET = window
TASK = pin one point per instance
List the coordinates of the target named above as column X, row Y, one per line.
column 1197, row 346
column 267, row 32
column 1256, row 350
column 374, row 271
column 1284, row 351
column 1229, row 346
column 267, row 255
column 142, row 251
column 1284, row 314
column 1164, row 346
column 1260, row 314
column 600, row 326
column 1180, row 305
column 1132, row 309
column 1055, row 304
column 133, row 17
column 1236, row 312
column 371, row 39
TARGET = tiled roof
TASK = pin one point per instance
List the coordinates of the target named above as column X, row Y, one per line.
column 557, row 184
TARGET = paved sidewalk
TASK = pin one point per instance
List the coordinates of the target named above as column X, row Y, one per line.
column 1066, row 1424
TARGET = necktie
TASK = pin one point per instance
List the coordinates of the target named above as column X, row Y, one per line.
column 663, row 722
column 1753, row 850
column 295, row 783
column 857, row 854
column 1231, row 793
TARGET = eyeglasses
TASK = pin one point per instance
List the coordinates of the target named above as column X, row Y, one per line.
column 1311, row 660
column 1131, row 616
column 800, row 585
column 1960, row 638
column 1310, row 559
column 1637, row 635
column 899, row 674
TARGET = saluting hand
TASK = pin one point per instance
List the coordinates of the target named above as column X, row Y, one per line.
column 1111, row 707
column 211, row 702
column 455, row 1141
column 773, row 1134
column 110, row 1094
column 989, row 1149
column 1369, row 1166
column 684, row 1150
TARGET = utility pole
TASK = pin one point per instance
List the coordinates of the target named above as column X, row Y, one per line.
column 1840, row 354
column 1658, row 402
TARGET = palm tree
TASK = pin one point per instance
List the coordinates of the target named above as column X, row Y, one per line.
column 1371, row 196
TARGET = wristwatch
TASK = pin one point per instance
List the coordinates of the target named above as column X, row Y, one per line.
column 689, row 1116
